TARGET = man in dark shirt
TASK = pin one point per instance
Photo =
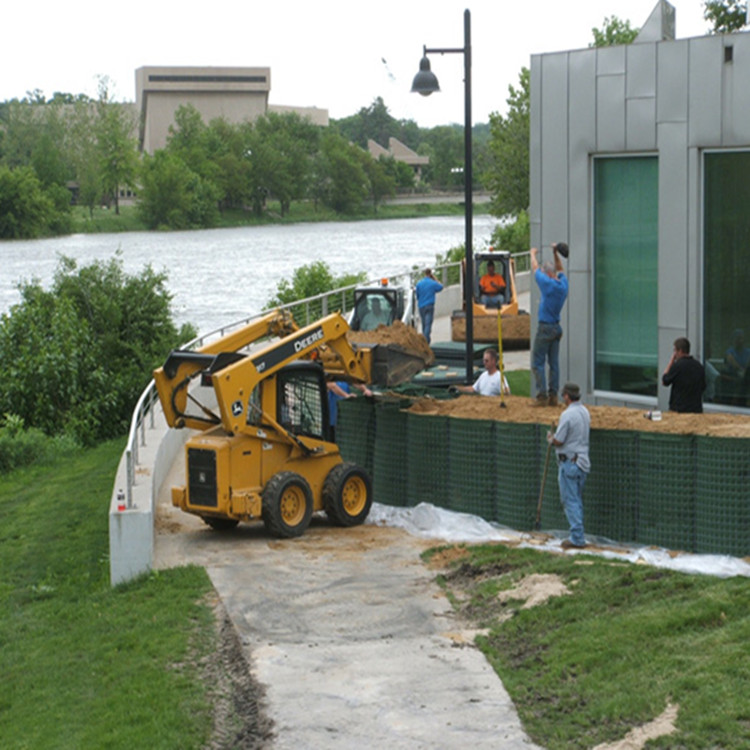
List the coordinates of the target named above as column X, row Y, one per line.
column 687, row 378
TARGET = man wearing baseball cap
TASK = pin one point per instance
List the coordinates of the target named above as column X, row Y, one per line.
column 571, row 441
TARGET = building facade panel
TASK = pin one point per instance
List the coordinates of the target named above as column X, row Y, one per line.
column 736, row 119
column 640, row 124
column 675, row 102
column 705, row 91
column 641, row 70
column 610, row 112
column 554, row 154
column 672, row 82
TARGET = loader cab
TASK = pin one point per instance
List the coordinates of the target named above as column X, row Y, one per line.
column 302, row 400
column 483, row 263
column 374, row 306
column 297, row 398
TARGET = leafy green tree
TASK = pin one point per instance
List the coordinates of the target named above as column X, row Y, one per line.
column 376, row 123
column 402, row 174
column 192, row 142
column 26, row 209
column 381, row 183
column 309, row 281
column 514, row 236
column 725, row 15
column 74, row 360
column 84, row 153
column 116, row 144
column 508, row 175
column 233, row 160
column 282, row 157
column 174, row 196
column 614, row 31
column 341, row 180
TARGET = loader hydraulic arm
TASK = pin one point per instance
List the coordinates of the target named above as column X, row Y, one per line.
column 233, row 374
column 325, row 340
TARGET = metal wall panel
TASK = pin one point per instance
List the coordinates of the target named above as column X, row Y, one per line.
column 610, row 112
column 736, row 119
column 581, row 142
column 673, row 231
column 704, row 91
column 640, row 124
column 582, row 104
column 554, row 147
column 640, row 61
column 535, row 149
column 672, row 82
column 610, row 60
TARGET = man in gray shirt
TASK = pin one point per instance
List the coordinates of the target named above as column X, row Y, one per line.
column 571, row 441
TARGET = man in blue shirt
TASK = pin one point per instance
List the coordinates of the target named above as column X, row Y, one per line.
column 553, row 286
column 427, row 287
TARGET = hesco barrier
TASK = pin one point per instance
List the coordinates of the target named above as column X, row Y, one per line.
column 682, row 492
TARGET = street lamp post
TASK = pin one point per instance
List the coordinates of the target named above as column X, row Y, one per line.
column 425, row 83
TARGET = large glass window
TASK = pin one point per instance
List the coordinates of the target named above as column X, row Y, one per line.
column 626, row 216
column 726, row 274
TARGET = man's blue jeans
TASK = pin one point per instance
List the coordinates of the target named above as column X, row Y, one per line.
column 427, row 314
column 546, row 349
column 571, row 480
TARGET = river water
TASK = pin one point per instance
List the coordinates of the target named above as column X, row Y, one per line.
column 217, row 276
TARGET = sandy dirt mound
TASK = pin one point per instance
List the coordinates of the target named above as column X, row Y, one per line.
column 398, row 334
column 523, row 410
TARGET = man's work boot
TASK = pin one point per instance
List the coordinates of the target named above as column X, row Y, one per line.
column 552, row 401
column 541, row 400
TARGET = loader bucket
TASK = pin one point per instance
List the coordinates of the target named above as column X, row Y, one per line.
column 392, row 364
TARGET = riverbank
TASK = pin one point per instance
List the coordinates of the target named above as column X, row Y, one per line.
column 103, row 220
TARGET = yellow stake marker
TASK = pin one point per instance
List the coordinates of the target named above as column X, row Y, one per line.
column 500, row 360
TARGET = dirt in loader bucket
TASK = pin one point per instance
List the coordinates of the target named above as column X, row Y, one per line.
column 400, row 352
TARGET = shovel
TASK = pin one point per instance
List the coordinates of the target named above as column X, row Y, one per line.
column 538, row 524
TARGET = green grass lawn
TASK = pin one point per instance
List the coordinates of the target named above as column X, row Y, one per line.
column 586, row 668
column 84, row 665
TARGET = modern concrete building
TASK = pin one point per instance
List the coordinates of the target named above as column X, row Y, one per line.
column 640, row 159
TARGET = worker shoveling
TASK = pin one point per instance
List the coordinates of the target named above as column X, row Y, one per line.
column 258, row 398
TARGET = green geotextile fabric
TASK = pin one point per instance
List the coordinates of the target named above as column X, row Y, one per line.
column 426, row 460
column 681, row 492
column 722, row 491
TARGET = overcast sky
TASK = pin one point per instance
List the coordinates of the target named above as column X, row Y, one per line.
column 331, row 54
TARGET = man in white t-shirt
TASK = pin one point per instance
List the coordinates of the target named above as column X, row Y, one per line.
column 488, row 383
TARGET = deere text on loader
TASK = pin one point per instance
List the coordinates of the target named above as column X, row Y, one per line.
column 257, row 401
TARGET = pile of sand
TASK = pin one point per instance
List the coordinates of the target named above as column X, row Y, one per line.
column 397, row 334
column 523, row 410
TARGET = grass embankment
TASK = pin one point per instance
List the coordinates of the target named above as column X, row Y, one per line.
column 128, row 220
column 628, row 640
column 84, row 665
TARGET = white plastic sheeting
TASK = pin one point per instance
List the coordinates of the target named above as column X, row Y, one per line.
column 430, row 522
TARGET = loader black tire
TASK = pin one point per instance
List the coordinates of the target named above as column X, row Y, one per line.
column 347, row 495
column 220, row 524
column 287, row 505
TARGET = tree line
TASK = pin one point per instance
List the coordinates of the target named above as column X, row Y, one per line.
column 70, row 146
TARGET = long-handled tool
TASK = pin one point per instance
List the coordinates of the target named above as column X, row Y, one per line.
column 538, row 524
column 500, row 363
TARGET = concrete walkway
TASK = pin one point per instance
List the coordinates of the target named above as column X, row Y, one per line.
column 351, row 637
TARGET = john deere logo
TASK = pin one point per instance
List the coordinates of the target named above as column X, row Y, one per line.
column 237, row 408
